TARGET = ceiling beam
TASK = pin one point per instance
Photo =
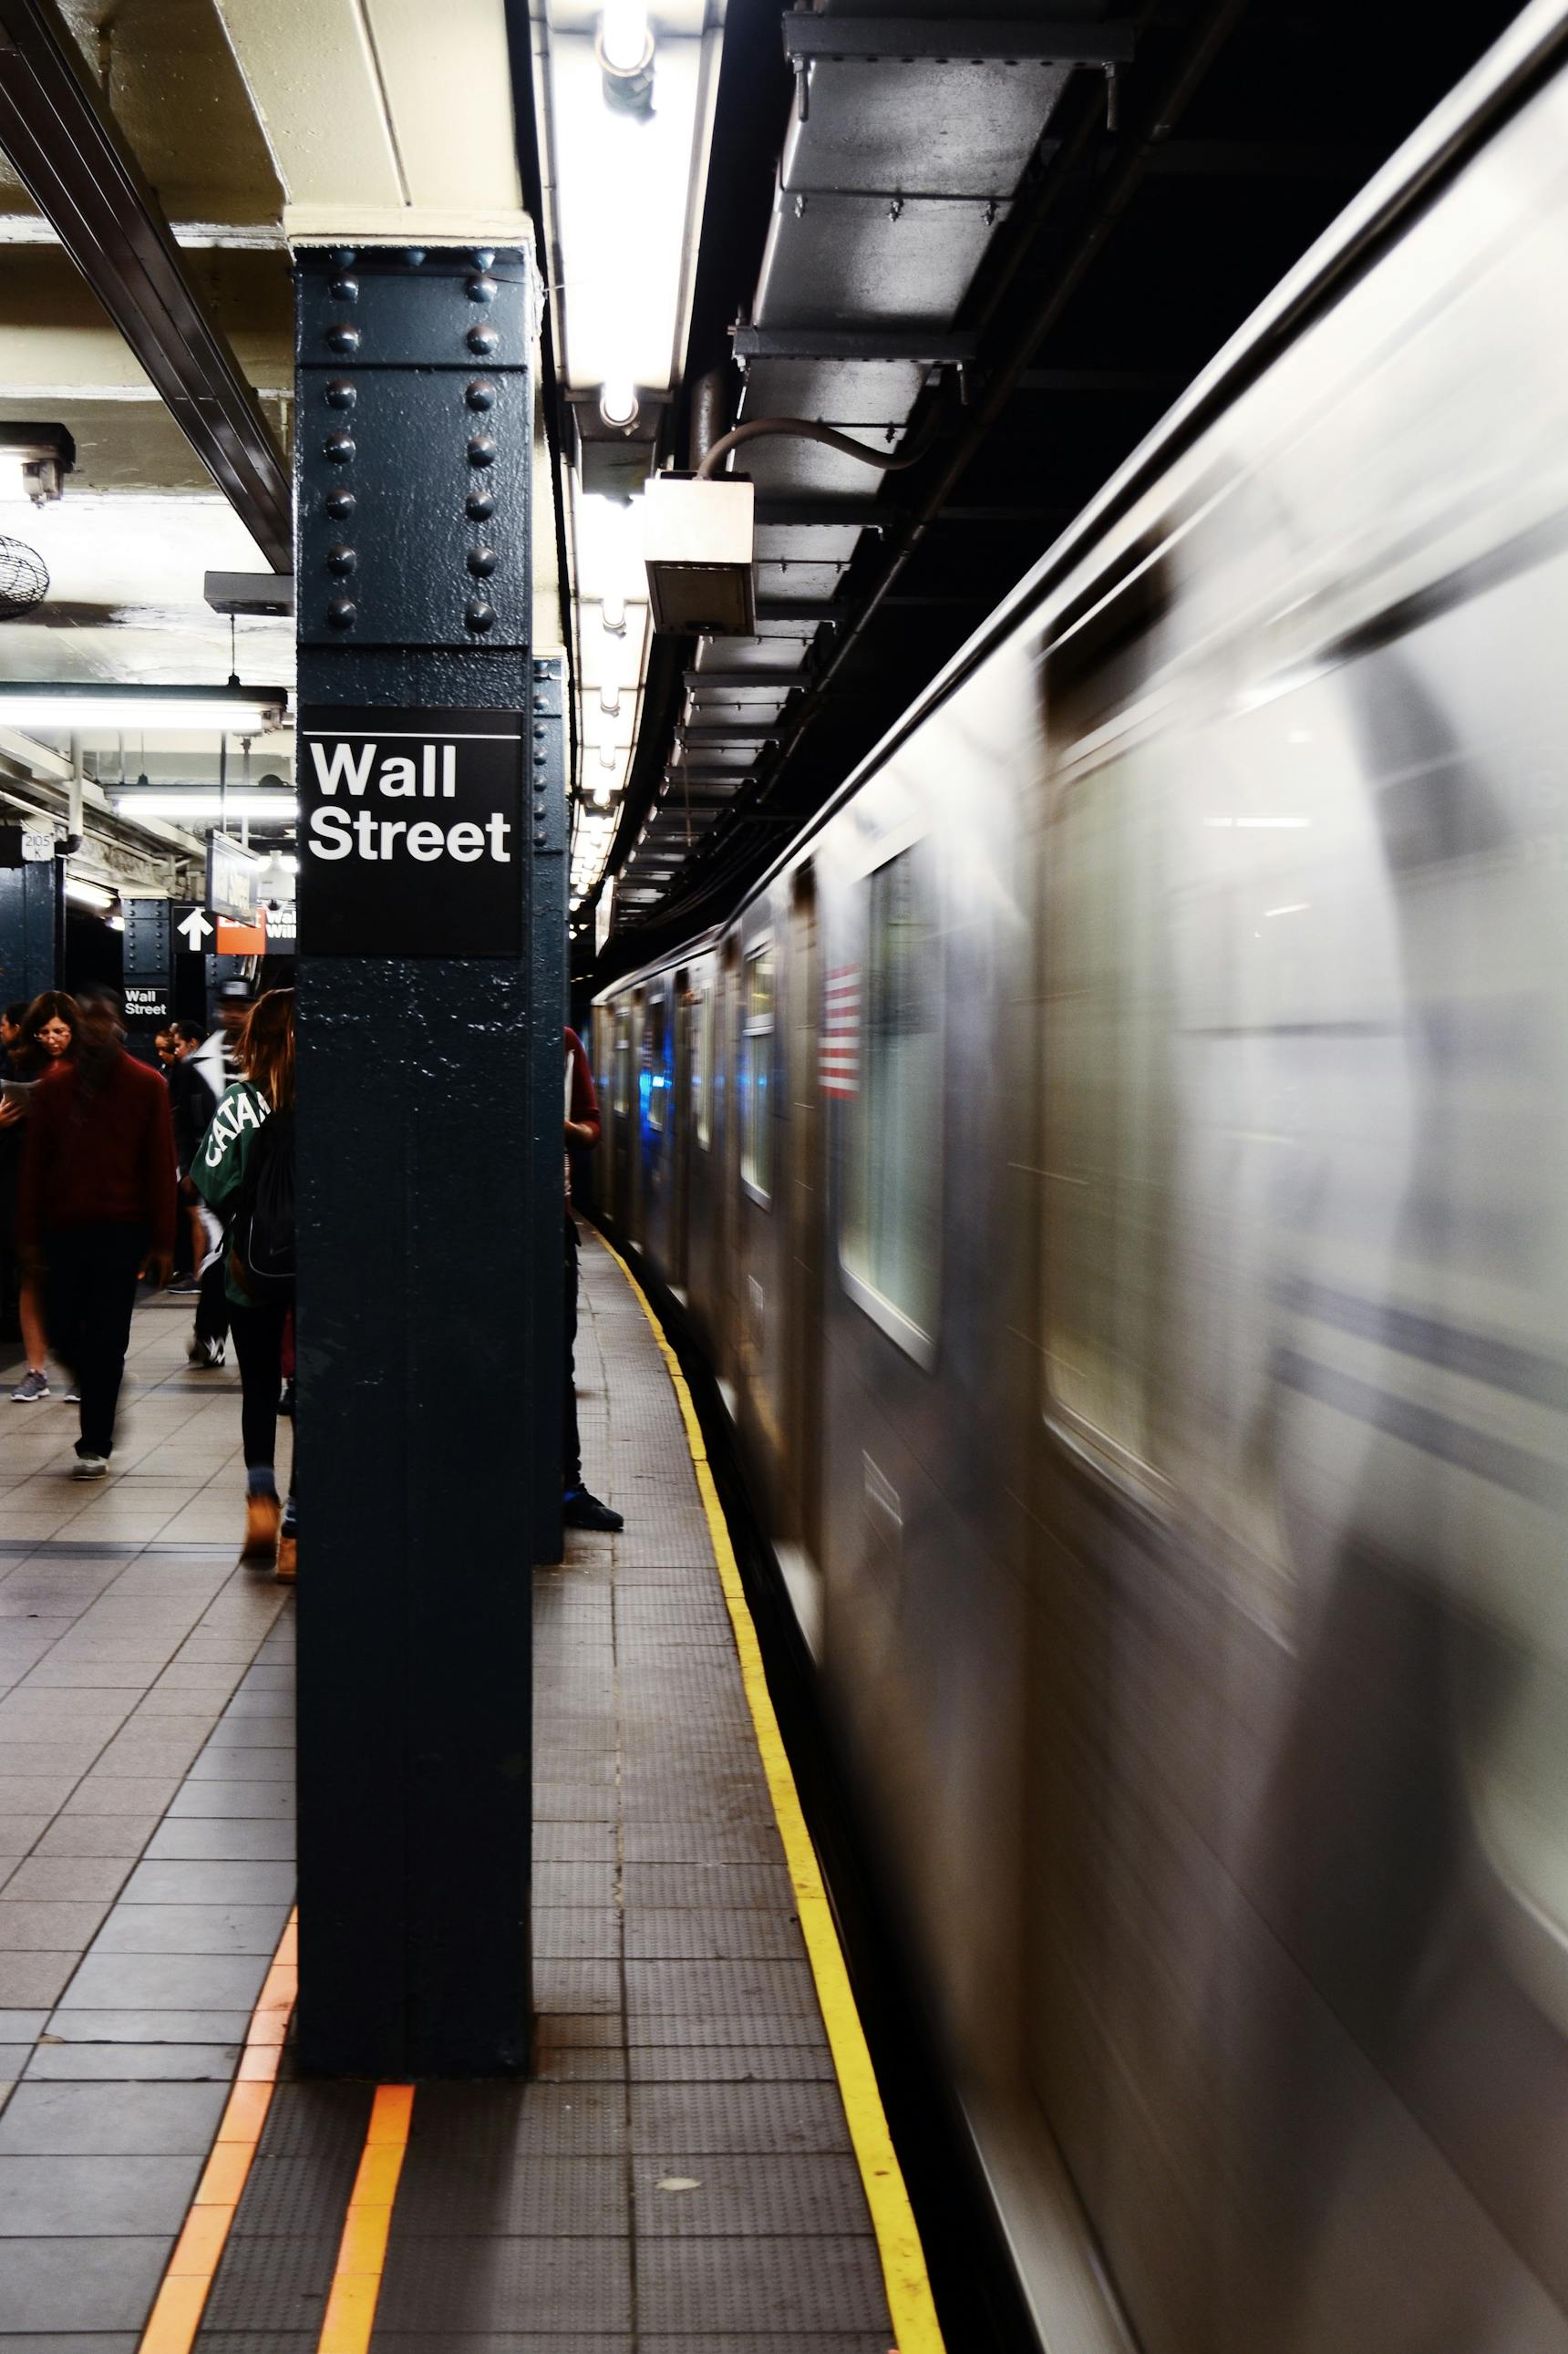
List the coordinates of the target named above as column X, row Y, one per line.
column 75, row 164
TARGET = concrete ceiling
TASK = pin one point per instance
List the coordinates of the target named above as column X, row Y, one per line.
column 255, row 122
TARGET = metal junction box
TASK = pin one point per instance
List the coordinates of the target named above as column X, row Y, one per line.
column 697, row 542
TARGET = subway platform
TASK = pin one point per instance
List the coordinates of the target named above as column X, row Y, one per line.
column 700, row 2156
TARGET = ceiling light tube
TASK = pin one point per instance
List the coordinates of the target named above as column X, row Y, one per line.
column 618, row 403
column 609, row 700
column 88, row 895
column 280, row 809
column 204, row 709
column 612, row 615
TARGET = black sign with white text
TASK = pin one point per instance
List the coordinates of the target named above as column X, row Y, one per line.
column 410, row 832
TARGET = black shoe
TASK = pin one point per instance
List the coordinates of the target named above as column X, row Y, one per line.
column 582, row 1510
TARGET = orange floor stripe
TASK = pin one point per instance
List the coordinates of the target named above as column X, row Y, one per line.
column 188, row 2280
column 362, row 2252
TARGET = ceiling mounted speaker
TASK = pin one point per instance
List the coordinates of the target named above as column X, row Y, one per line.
column 24, row 579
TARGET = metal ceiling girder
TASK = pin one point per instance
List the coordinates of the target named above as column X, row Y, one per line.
column 718, row 682
column 828, row 514
column 1065, row 41
column 723, row 731
column 75, row 164
column 930, row 347
column 796, row 608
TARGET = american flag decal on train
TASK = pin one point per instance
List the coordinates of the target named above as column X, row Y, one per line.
column 840, row 1033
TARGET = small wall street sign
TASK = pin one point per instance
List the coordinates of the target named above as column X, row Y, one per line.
column 410, row 832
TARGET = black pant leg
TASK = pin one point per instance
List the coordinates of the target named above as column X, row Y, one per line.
column 571, row 1441
column 65, row 1288
column 91, row 1296
column 212, row 1304
column 259, row 1343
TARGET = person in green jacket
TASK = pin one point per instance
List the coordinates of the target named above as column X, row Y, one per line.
column 222, row 1164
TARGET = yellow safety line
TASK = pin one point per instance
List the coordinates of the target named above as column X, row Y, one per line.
column 187, row 2282
column 909, row 2298
column 362, row 2252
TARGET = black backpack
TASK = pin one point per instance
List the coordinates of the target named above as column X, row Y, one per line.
column 262, row 1242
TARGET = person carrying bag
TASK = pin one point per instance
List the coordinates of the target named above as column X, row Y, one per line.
column 244, row 1171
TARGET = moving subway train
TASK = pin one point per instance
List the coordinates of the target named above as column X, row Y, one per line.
column 1117, row 1162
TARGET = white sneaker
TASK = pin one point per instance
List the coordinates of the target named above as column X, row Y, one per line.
column 206, row 1356
column 90, row 1467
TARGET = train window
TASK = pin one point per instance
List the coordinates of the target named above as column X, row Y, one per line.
column 890, row 1247
column 620, row 1097
column 702, row 1064
column 658, row 1076
column 1104, row 1019
column 757, row 1073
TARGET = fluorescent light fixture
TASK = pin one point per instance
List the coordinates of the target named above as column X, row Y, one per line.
column 623, row 34
column 629, row 185
column 610, row 700
column 276, row 809
column 88, row 895
column 618, row 403
column 612, row 615
column 234, row 710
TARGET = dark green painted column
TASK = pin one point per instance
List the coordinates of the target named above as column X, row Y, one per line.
column 32, row 922
column 430, row 975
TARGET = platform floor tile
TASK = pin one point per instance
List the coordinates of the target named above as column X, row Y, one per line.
column 679, row 2176
column 136, row 1659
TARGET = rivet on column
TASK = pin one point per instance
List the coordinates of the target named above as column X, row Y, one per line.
column 340, row 504
column 481, row 449
column 341, row 337
column 340, row 392
column 481, row 393
column 339, row 448
column 344, row 290
column 481, row 562
column 341, row 559
column 480, row 617
column 340, row 612
column 481, row 290
column 481, row 341
column 479, row 506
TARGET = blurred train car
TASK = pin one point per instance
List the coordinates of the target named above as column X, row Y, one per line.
column 1117, row 1162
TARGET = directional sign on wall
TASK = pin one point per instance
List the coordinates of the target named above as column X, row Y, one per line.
column 410, row 832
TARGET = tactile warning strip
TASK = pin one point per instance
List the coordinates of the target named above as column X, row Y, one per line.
column 679, row 2175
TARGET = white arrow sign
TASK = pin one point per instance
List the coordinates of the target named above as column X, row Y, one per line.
column 196, row 928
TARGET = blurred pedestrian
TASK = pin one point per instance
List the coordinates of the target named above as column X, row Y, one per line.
column 193, row 1103
column 581, row 1508
column 216, row 1063
column 245, row 1172
column 97, row 1209
column 46, row 1037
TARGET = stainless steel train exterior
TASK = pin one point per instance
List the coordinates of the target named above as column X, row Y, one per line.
column 1118, row 1165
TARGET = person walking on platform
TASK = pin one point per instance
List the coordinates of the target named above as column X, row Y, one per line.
column 46, row 1035
column 193, row 1104
column 97, row 1210
column 215, row 1064
column 581, row 1509
column 244, row 1171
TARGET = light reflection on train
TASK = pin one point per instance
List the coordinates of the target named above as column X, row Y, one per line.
column 1118, row 1165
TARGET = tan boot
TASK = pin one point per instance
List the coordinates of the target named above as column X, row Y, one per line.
column 288, row 1560
column 262, row 1514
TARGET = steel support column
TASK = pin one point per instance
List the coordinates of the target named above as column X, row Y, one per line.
column 431, row 1001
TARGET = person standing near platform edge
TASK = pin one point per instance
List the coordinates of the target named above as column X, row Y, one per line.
column 581, row 1509
column 97, row 1210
